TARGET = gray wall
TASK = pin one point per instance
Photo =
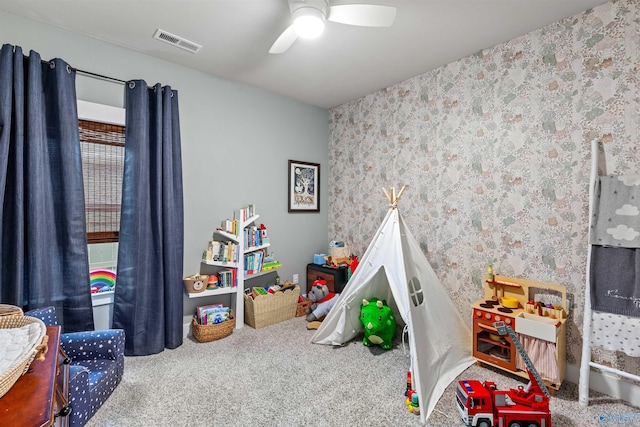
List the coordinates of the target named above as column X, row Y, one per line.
column 236, row 141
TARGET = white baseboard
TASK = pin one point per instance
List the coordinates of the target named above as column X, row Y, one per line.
column 608, row 384
column 186, row 329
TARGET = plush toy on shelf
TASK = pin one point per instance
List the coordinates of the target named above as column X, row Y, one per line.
column 379, row 323
column 322, row 300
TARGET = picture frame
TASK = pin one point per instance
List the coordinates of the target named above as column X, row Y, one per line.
column 304, row 187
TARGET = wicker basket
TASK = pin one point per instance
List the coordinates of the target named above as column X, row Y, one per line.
column 301, row 310
column 10, row 310
column 208, row 333
column 265, row 310
column 39, row 349
column 196, row 283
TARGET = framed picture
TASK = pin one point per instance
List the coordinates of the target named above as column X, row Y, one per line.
column 304, row 186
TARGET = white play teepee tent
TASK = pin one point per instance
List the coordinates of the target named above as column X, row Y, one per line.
column 395, row 268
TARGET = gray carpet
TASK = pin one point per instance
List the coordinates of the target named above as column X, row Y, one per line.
column 274, row 377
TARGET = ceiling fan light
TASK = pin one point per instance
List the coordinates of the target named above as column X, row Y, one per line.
column 308, row 22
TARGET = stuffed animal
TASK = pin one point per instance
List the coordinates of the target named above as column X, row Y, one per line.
column 322, row 300
column 379, row 323
column 337, row 262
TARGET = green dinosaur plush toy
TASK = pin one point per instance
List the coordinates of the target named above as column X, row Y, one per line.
column 379, row 323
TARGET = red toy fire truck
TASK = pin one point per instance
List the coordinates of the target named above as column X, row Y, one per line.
column 483, row 405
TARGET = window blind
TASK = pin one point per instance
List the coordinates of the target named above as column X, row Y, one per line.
column 102, row 148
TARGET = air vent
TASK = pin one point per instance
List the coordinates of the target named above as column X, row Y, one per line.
column 176, row 41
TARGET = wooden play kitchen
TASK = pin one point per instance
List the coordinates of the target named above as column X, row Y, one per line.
column 535, row 310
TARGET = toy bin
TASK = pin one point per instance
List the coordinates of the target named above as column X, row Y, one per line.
column 195, row 283
column 302, row 307
column 30, row 346
column 213, row 332
column 265, row 310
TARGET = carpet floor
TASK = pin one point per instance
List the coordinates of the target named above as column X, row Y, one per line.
column 274, row 376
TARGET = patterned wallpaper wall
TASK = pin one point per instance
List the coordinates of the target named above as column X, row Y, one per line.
column 495, row 149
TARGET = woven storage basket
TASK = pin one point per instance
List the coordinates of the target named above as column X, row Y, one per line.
column 208, row 333
column 39, row 349
column 196, row 283
column 265, row 310
column 10, row 310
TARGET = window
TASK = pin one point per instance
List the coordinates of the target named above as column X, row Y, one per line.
column 102, row 147
column 415, row 292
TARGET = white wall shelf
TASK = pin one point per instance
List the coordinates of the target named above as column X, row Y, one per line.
column 256, row 248
column 262, row 273
column 213, row 267
column 212, row 292
column 221, row 264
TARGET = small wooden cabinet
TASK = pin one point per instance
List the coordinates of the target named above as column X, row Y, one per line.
column 40, row 396
column 336, row 278
column 61, row 407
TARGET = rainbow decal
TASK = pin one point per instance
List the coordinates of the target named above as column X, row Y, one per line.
column 102, row 280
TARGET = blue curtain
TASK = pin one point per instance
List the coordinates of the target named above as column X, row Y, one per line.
column 44, row 260
column 148, row 298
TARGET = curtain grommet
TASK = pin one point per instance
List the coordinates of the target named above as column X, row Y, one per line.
column 132, row 85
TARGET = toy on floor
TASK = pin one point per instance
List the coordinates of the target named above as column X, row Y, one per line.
column 322, row 300
column 412, row 402
column 482, row 404
column 379, row 323
column 314, row 325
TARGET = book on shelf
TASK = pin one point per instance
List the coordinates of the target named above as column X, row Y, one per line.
column 230, row 226
column 271, row 265
column 221, row 251
column 254, row 261
column 242, row 215
column 227, row 278
column 252, row 236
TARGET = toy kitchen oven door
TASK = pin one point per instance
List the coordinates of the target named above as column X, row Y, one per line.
column 488, row 345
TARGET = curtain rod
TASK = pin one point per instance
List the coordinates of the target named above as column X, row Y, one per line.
column 87, row 73
column 96, row 75
column 99, row 76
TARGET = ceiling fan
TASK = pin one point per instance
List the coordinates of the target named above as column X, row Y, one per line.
column 309, row 17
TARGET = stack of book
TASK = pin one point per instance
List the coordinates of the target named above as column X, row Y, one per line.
column 230, row 226
column 227, row 278
column 253, row 236
column 211, row 314
column 245, row 213
column 253, row 262
column 221, row 251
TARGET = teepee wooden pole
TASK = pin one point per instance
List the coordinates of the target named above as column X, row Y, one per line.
column 391, row 196
column 400, row 193
column 388, row 196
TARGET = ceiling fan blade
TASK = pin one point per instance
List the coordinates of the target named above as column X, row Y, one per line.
column 285, row 40
column 365, row 15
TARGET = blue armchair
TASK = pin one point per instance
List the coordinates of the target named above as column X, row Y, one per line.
column 97, row 365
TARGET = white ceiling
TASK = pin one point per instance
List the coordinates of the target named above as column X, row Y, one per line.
column 344, row 64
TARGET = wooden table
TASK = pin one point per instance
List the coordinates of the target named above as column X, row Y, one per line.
column 41, row 393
